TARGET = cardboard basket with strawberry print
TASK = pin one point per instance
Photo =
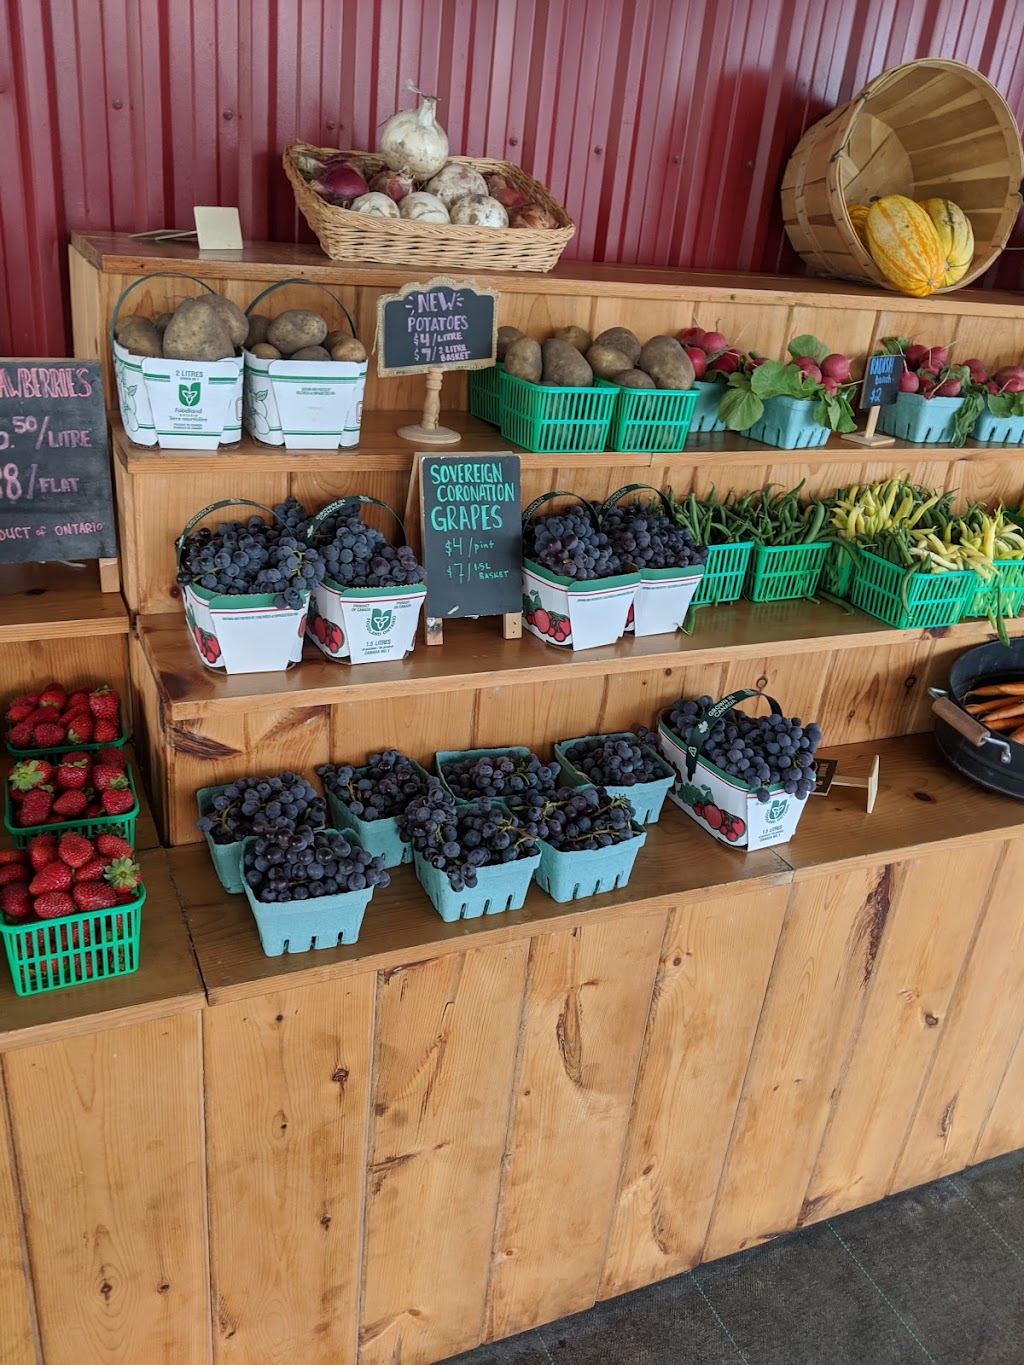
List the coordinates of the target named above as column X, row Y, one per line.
column 662, row 596
column 303, row 404
column 568, row 612
column 102, row 704
column 16, row 806
column 177, row 404
column 721, row 804
column 247, row 633
column 363, row 625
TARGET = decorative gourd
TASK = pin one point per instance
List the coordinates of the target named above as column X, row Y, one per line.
column 955, row 234
column 859, row 218
column 904, row 245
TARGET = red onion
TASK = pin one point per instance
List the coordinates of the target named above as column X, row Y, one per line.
column 510, row 197
column 395, row 184
column 532, row 216
column 339, row 182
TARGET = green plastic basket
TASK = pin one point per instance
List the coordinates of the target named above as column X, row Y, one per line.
column 124, row 825
column 485, row 394
column 780, row 573
column 932, row 599
column 118, row 743
column 1002, row 595
column 724, row 573
column 650, row 419
column 837, row 571
column 554, row 421
column 47, row 955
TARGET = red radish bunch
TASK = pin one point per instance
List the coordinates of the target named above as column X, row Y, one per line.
column 1007, row 379
column 53, row 877
column 930, row 374
column 52, row 718
column 69, row 787
column 710, row 353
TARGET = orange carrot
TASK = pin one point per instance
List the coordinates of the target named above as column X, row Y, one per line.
column 1007, row 712
column 1018, row 735
column 1007, row 689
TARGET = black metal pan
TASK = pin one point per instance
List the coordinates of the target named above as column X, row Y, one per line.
column 990, row 759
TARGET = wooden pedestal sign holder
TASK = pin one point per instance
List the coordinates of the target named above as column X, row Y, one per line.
column 430, row 328
column 881, row 385
column 825, row 770
column 466, row 510
column 56, row 501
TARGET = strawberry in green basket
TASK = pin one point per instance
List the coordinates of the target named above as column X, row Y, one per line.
column 124, row 876
column 35, row 807
column 29, row 774
column 15, row 901
column 103, row 703
column 72, row 772
column 53, row 877
column 93, row 896
column 80, row 728
column 70, row 805
column 118, row 798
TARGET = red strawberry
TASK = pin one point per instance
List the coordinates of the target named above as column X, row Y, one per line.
column 80, row 728
column 29, row 773
column 21, row 707
column 103, row 703
column 36, row 807
column 53, row 694
column 75, row 850
column 49, row 735
column 106, row 731
column 93, row 809
column 103, row 776
column 12, row 855
column 42, row 850
column 14, row 872
column 78, row 695
column 124, row 874
column 93, row 896
column 73, row 773
column 53, row 905
column 109, row 758
column 119, row 798
column 92, row 871
column 15, row 900
column 111, row 846
column 52, row 877
column 70, row 805
column 20, row 736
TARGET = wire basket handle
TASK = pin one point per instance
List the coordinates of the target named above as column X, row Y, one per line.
column 313, row 284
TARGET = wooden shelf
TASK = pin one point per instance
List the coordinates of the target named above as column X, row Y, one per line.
column 922, row 802
column 474, row 655
column 167, row 981
column 57, row 601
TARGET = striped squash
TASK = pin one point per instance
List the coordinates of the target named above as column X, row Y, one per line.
column 859, row 218
column 905, row 246
column 956, row 236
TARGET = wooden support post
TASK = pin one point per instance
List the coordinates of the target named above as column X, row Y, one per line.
column 428, row 432
column 110, row 575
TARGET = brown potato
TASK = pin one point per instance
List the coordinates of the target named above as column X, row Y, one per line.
column 633, row 379
column 139, row 336
column 564, row 366
column 332, row 338
column 506, row 336
column 161, row 320
column 623, row 340
column 667, row 363
column 258, row 324
column 348, row 348
column 606, row 361
column 523, row 359
column 575, row 336
column 197, row 332
column 310, row 353
column 265, row 351
column 234, row 320
column 298, row 327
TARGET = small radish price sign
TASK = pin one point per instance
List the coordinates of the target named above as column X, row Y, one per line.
column 56, row 501
column 882, row 380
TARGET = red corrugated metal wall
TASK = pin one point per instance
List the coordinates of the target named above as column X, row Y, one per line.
column 662, row 125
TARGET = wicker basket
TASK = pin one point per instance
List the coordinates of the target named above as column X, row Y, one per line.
column 932, row 128
column 348, row 236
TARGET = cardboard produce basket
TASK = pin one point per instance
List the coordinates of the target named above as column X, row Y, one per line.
column 499, row 887
column 582, row 873
column 663, row 596
column 646, row 798
column 379, row 837
column 177, row 404
column 928, row 421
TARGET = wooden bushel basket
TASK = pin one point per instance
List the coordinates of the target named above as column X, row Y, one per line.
column 930, row 129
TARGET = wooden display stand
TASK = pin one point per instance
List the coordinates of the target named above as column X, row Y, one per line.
column 740, row 1044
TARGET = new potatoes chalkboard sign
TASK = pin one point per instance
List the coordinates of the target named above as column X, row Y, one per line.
column 472, row 534
column 442, row 325
column 55, row 494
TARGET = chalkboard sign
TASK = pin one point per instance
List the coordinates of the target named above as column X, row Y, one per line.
column 443, row 325
column 472, row 534
column 882, row 380
column 55, row 494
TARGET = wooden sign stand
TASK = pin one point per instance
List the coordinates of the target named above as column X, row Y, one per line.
column 427, row 432
column 869, row 437
column 870, row 783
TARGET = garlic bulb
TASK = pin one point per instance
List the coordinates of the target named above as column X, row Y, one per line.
column 479, row 210
column 454, row 182
column 414, row 141
column 426, row 207
column 376, row 205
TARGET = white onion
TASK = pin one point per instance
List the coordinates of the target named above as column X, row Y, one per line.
column 454, row 181
column 376, row 205
column 425, row 207
column 479, row 210
column 414, row 141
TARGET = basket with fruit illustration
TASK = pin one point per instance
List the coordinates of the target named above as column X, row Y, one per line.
column 604, row 756
column 303, row 404
column 358, row 624
column 55, row 721
column 53, row 797
column 575, row 613
column 726, row 806
column 238, row 631
column 664, row 595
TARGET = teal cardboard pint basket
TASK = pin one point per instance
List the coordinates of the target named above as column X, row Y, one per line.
column 646, row 798
column 928, row 421
column 589, row 871
column 705, row 409
column 302, row 926
column 379, row 837
column 500, row 887
column 788, row 424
